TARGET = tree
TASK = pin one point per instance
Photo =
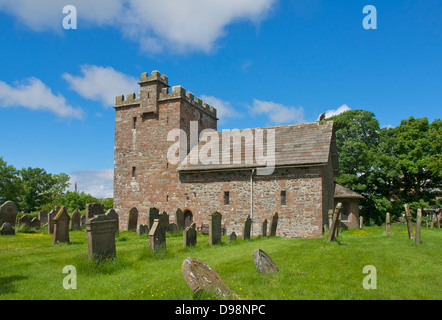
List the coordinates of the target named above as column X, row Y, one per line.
column 9, row 182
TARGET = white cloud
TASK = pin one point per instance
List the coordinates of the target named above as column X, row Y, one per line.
column 99, row 184
column 224, row 109
column 332, row 113
column 101, row 84
column 35, row 95
column 175, row 24
column 278, row 113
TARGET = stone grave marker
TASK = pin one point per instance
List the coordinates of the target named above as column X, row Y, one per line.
column 7, row 229
column 83, row 220
column 418, row 226
column 172, row 228
column 190, row 236
column 335, row 223
column 35, row 223
column 264, row 228
column 142, row 229
column 200, row 277
column 51, row 216
column 94, row 209
column 263, row 262
column 330, row 218
column 76, row 220
column 274, row 224
column 409, row 224
column 132, row 220
column 24, row 221
column 164, row 220
column 153, row 214
column 113, row 215
column 179, row 219
column 215, row 228
column 387, row 224
column 61, row 226
column 43, row 217
column 157, row 237
column 247, row 228
column 8, row 213
column 232, row 236
column 100, row 234
column 361, row 222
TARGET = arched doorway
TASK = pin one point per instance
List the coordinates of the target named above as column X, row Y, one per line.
column 188, row 218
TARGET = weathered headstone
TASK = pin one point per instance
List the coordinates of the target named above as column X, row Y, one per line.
column 113, row 215
column 263, row 262
column 8, row 213
column 264, row 229
column 200, row 277
column 157, row 237
column 94, row 209
column 361, row 222
column 76, row 220
column 132, row 220
column 418, row 226
column 190, row 236
column 24, row 221
column 142, row 229
column 35, row 223
column 164, row 220
column 51, row 216
column 215, row 228
column 335, row 223
column 274, row 224
column 153, row 214
column 409, row 225
column 43, row 217
column 172, row 228
column 83, row 220
column 61, row 226
column 232, row 236
column 179, row 219
column 247, row 228
column 100, row 234
column 387, row 224
column 7, row 229
column 330, row 218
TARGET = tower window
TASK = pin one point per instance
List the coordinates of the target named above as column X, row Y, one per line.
column 134, row 122
column 226, row 198
column 283, row 198
column 133, row 172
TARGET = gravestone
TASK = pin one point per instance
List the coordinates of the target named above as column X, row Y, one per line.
column 35, row 223
column 157, row 237
column 153, row 214
column 113, row 215
column 179, row 219
column 132, row 220
column 142, row 229
column 335, row 223
column 24, row 221
column 51, row 216
column 215, row 228
column 409, row 224
column 247, row 228
column 264, row 228
column 200, row 277
column 361, row 222
column 387, row 224
column 43, row 217
column 61, row 226
column 232, row 236
column 8, row 213
column 7, row 229
column 94, row 209
column 190, row 236
column 76, row 220
column 83, row 220
column 263, row 262
column 418, row 226
column 172, row 228
column 330, row 218
column 274, row 224
column 100, row 234
column 164, row 220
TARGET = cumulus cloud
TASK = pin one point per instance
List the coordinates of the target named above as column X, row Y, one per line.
column 101, row 84
column 35, row 95
column 277, row 113
column 224, row 109
column 179, row 24
column 99, row 184
column 332, row 113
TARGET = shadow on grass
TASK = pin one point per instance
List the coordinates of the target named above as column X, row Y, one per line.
column 7, row 284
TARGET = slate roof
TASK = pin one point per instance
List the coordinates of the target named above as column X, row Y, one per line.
column 295, row 145
column 342, row 192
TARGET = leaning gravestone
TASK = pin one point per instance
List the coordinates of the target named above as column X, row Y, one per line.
column 35, row 223
column 142, row 229
column 113, row 215
column 263, row 262
column 247, row 228
column 200, row 277
column 8, row 213
column 409, row 225
column 179, row 219
column 157, row 237
column 190, row 236
column 43, row 217
column 264, row 229
column 61, row 226
column 24, row 221
column 232, row 236
column 100, row 233
column 215, row 228
column 132, row 220
column 335, row 224
column 7, row 229
column 76, row 220
column 153, row 214
column 94, row 209
column 274, row 224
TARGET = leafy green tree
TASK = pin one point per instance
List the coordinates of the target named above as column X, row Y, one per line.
column 9, row 182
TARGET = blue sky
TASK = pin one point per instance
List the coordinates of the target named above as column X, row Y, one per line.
column 260, row 62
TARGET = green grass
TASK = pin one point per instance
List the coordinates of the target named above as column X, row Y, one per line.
column 31, row 267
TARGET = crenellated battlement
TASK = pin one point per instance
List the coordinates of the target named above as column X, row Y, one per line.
column 176, row 92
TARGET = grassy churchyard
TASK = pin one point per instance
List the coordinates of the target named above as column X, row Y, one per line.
column 32, row 267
